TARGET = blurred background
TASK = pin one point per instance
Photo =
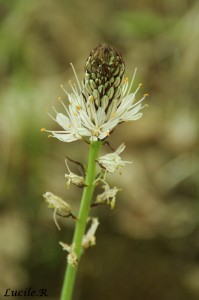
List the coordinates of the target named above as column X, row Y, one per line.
column 148, row 246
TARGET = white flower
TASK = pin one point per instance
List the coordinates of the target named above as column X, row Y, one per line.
column 112, row 161
column 58, row 204
column 89, row 238
column 72, row 257
column 73, row 178
column 108, row 196
column 83, row 118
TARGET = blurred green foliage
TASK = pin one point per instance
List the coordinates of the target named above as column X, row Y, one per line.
column 147, row 248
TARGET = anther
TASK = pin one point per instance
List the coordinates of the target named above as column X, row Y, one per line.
column 42, row 129
column 108, row 133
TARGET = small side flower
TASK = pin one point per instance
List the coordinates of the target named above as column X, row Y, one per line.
column 108, row 196
column 89, row 238
column 58, row 204
column 112, row 161
column 73, row 178
column 71, row 257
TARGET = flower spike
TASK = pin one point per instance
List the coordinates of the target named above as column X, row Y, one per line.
column 101, row 102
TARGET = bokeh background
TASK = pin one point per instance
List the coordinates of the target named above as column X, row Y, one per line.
column 148, row 247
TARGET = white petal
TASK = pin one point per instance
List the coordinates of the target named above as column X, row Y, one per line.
column 86, row 120
column 125, row 104
column 103, row 135
column 62, row 120
column 110, row 124
column 120, row 149
column 66, row 137
column 84, row 132
column 131, row 117
column 101, row 116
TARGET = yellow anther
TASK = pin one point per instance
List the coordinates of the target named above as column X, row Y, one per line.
column 108, row 133
column 140, row 84
column 42, row 129
column 61, row 86
column 78, row 107
column 126, row 79
column 146, row 95
column 50, row 135
column 113, row 115
column 59, row 98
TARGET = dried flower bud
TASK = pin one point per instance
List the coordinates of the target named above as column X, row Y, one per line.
column 89, row 238
column 108, row 196
column 112, row 161
column 58, row 204
column 73, row 178
column 103, row 75
column 71, row 257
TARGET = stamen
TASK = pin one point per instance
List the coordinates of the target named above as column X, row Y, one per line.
column 73, row 89
column 135, row 104
column 55, row 110
column 62, row 87
column 139, row 86
column 56, row 131
column 42, row 129
column 113, row 115
column 54, row 217
column 69, row 171
column 91, row 98
column 76, row 76
column 108, row 133
column 64, row 106
column 51, row 117
column 132, row 80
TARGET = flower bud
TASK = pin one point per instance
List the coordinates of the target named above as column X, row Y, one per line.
column 103, row 74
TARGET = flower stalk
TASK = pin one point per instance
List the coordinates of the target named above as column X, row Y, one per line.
column 80, row 228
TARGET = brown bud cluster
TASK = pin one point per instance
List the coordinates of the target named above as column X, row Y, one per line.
column 104, row 72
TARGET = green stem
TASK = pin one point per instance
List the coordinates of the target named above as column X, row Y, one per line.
column 80, row 228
